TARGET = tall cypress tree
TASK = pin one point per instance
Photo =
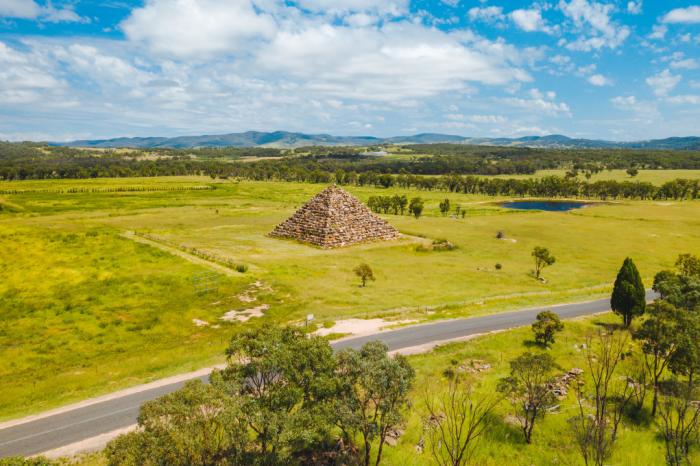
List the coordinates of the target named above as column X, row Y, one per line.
column 629, row 296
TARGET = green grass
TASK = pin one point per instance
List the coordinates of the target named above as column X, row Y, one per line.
column 503, row 443
column 68, row 277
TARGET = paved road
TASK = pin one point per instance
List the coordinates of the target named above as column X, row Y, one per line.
column 82, row 423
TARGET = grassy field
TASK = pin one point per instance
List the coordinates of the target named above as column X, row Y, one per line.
column 86, row 310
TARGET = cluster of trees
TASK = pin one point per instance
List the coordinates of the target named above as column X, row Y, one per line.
column 396, row 205
column 22, row 161
column 551, row 186
column 617, row 379
column 581, row 159
column 284, row 398
column 669, row 336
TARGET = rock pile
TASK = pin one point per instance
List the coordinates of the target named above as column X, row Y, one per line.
column 560, row 386
column 334, row 218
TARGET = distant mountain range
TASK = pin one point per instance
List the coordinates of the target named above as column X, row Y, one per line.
column 284, row 139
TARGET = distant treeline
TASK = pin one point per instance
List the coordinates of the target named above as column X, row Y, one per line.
column 550, row 186
column 31, row 161
column 451, row 168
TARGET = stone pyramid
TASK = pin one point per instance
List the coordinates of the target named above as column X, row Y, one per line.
column 334, row 218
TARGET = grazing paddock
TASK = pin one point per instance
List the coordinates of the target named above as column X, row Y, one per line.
column 86, row 310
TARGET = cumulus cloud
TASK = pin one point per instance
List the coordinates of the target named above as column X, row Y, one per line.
column 596, row 28
column 663, row 83
column 26, row 77
column 689, row 15
column 396, row 61
column 687, row 99
column 487, row 14
column 634, row 7
column 340, row 7
column 530, row 20
column 644, row 111
column 658, row 31
column 599, row 80
column 540, row 102
column 19, row 9
column 197, row 28
column 29, row 9
column 685, row 64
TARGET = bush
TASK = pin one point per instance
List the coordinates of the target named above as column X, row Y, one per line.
column 500, row 235
column 443, row 245
column 546, row 326
column 241, row 268
column 499, row 266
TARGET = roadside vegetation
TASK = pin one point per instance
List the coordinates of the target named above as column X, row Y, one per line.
column 499, row 399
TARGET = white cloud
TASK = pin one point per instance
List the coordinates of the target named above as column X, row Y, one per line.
column 686, row 64
column 690, row 15
column 197, row 28
column 634, row 7
column 687, row 99
column 493, row 119
column 599, row 80
column 397, row 61
column 19, row 9
column 343, row 7
column 487, row 14
column 25, row 76
column 658, row 31
column 663, row 83
column 530, row 20
column 540, row 102
column 29, row 9
column 645, row 112
column 595, row 26
column 97, row 66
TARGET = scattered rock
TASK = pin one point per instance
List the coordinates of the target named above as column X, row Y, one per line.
column 393, row 436
column 474, row 367
column 560, row 386
column 420, row 445
column 200, row 323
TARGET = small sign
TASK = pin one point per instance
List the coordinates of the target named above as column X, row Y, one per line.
column 309, row 317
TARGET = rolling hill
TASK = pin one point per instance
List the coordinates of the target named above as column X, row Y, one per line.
column 285, row 139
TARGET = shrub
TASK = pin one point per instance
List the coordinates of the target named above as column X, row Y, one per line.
column 546, row 326
column 499, row 266
column 241, row 268
column 443, row 245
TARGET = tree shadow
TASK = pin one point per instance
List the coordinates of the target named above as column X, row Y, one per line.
column 610, row 327
column 533, row 344
column 638, row 416
column 501, row 431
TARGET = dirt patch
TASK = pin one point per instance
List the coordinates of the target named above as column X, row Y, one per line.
column 249, row 294
column 244, row 315
column 357, row 327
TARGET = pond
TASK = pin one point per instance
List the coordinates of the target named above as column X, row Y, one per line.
column 552, row 206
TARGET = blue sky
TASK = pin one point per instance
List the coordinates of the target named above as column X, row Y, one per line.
column 622, row 70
